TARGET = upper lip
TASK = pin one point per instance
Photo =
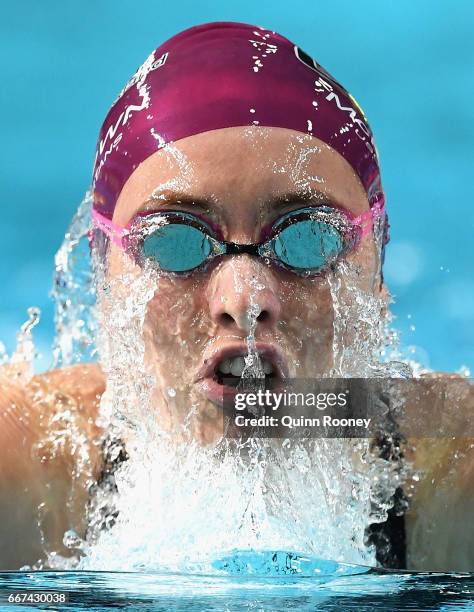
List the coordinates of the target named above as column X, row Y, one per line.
column 268, row 351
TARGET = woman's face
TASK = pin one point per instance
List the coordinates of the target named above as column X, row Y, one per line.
column 240, row 179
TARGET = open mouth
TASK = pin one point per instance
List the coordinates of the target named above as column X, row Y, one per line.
column 228, row 372
column 231, row 369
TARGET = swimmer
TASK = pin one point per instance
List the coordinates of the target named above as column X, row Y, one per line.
column 240, row 170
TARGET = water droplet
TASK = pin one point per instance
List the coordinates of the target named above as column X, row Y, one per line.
column 71, row 539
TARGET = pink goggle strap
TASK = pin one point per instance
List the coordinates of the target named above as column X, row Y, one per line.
column 115, row 232
column 367, row 219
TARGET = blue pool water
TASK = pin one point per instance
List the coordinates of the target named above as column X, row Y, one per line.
column 194, row 592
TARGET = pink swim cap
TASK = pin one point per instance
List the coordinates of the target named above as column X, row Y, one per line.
column 220, row 75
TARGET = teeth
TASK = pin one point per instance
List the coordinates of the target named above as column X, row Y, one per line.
column 267, row 366
column 236, row 365
column 224, row 366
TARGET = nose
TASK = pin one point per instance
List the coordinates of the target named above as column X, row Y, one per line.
column 242, row 290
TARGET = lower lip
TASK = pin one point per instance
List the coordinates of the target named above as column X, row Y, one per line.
column 214, row 391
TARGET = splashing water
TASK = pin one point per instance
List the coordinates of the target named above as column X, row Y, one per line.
column 180, row 504
column 253, row 372
column 74, row 293
column 176, row 503
column 20, row 366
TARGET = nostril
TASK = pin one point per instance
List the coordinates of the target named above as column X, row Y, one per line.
column 226, row 318
column 263, row 316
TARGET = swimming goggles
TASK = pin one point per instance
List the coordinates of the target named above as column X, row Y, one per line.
column 305, row 241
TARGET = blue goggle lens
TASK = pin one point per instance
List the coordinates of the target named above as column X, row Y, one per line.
column 177, row 247
column 309, row 244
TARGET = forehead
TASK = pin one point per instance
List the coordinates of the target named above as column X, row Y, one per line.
column 244, row 164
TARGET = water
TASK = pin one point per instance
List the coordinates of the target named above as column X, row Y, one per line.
column 362, row 589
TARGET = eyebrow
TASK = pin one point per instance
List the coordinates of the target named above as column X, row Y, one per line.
column 170, row 198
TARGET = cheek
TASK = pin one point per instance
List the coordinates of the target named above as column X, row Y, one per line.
column 365, row 263
column 308, row 302
column 176, row 327
column 307, row 323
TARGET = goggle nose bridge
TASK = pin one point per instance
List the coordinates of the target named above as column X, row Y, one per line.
column 233, row 248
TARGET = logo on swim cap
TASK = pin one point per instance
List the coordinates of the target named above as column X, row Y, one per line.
column 143, row 71
column 358, row 107
column 310, row 62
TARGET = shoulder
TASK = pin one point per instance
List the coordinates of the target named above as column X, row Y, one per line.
column 77, row 388
column 50, row 454
column 84, row 382
column 440, row 535
column 32, row 410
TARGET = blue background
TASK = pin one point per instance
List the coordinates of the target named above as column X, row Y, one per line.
column 409, row 63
